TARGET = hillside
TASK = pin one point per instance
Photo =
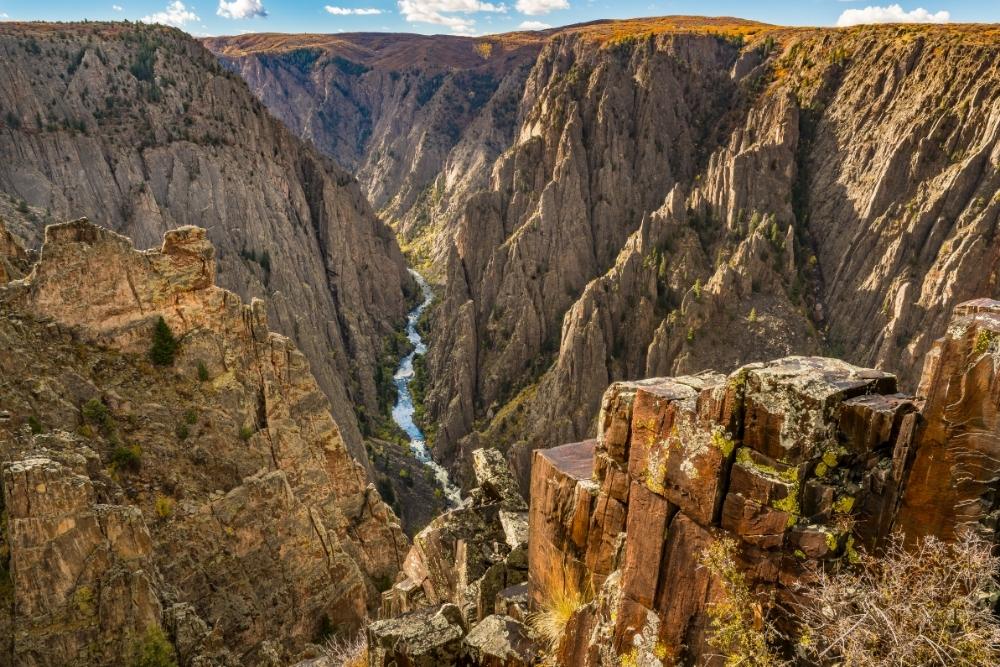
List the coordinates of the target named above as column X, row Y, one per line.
column 138, row 127
column 661, row 196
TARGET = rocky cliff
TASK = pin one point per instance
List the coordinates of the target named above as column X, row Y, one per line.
column 186, row 491
column 676, row 194
column 803, row 464
column 800, row 461
column 138, row 127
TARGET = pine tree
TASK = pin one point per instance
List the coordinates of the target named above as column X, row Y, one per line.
column 164, row 344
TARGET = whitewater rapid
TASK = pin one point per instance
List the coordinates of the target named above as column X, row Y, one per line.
column 402, row 411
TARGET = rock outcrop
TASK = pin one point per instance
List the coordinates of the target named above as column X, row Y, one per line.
column 670, row 195
column 213, row 497
column 138, row 127
column 800, row 461
column 457, row 600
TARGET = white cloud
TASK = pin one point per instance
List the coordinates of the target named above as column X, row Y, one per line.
column 890, row 14
column 533, row 25
column 536, row 7
column 176, row 15
column 348, row 11
column 241, row 9
column 117, row 8
column 447, row 13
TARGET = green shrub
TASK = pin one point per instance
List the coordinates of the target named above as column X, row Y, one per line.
column 142, row 66
column 164, row 506
column 127, row 458
column 202, row 371
column 191, row 416
column 95, row 412
column 153, row 650
column 164, row 348
column 34, row 424
column 246, row 432
column 182, row 432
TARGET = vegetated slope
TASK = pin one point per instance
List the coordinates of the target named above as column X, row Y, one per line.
column 202, row 493
column 677, row 196
column 138, row 127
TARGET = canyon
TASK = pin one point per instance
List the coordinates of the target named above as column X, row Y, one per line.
column 693, row 282
column 634, row 198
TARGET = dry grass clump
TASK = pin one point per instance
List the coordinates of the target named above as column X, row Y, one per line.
column 348, row 652
column 925, row 604
column 558, row 606
column 739, row 630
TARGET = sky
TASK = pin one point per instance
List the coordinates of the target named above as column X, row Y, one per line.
column 478, row 17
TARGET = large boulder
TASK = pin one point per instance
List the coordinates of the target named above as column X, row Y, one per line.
column 430, row 637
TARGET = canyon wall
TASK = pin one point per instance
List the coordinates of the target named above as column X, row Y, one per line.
column 206, row 495
column 674, row 194
column 138, row 127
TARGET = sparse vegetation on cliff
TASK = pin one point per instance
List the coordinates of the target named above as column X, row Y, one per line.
column 153, row 650
column 559, row 604
column 164, row 347
column 739, row 630
column 921, row 604
column 927, row 603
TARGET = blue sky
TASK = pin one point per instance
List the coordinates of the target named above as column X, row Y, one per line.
column 226, row 17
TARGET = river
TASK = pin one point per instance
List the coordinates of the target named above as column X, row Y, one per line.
column 402, row 411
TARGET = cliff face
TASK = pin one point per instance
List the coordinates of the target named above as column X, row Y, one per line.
column 418, row 119
column 678, row 195
column 138, row 127
column 800, row 461
column 214, row 497
column 795, row 467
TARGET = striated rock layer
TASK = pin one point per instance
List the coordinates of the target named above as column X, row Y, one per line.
column 214, row 497
column 138, row 127
column 663, row 196
column 800, row 461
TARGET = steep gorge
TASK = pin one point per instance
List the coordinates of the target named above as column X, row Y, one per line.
column 675, row 194
column 138, row 127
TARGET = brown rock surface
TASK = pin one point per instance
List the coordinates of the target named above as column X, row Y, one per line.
column 468, row 555
column 197, row 481
column 800, row 461
column 952, row 484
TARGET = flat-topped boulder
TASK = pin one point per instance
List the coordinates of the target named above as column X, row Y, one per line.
column 429, row 637
column 562, row 502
